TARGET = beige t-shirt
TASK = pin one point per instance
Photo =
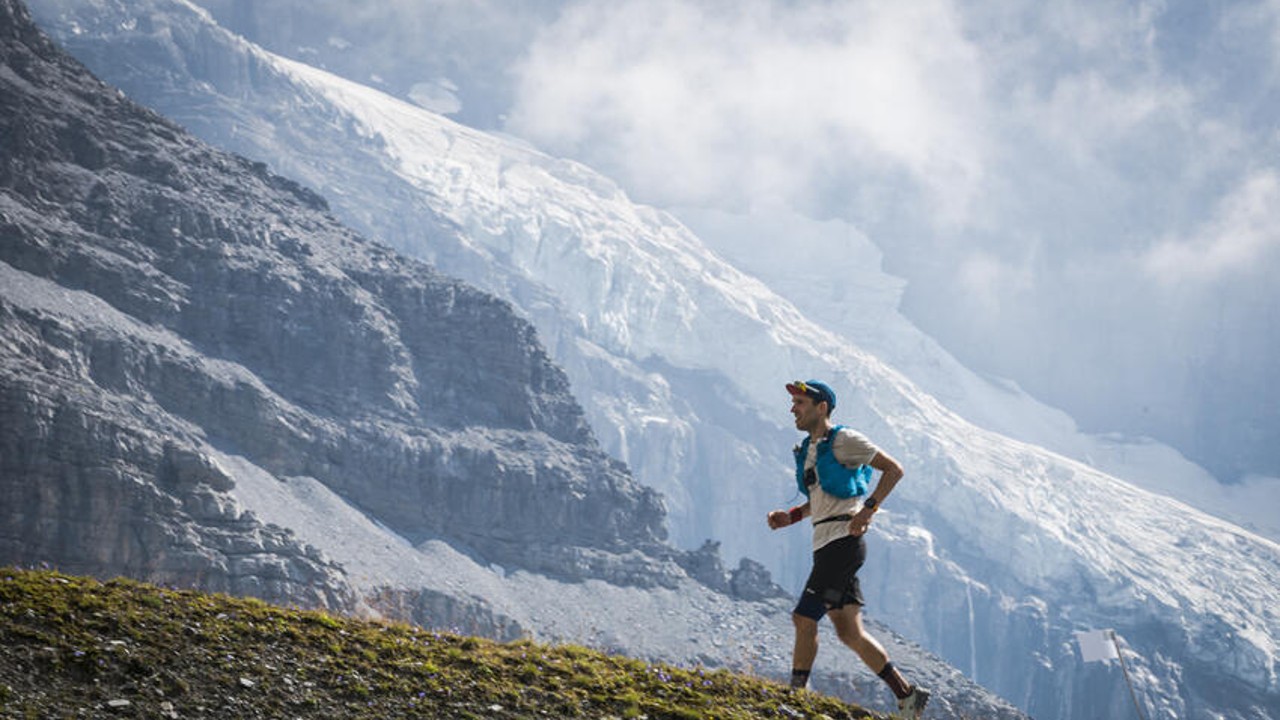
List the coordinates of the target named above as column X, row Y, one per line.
column 851, row 449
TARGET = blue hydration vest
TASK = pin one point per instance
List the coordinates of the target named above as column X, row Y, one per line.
column 835, row 478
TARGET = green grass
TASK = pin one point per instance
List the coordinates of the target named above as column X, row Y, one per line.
column 76, row 647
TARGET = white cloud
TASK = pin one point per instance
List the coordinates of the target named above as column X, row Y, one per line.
column 1242, row 231
column 988, row 281
column 713, row 102
column 1088, row 113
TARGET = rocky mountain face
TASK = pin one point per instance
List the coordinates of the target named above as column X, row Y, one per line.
column 163, row 302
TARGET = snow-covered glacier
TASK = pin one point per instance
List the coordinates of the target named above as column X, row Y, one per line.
column 1000, row 543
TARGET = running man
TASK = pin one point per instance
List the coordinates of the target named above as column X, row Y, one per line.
column 833, row 469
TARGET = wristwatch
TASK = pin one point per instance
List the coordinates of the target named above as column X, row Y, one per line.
column 870, row 503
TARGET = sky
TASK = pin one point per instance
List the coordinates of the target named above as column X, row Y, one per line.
column 1083, row 197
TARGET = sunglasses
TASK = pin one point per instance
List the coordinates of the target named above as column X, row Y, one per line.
column 809, row 391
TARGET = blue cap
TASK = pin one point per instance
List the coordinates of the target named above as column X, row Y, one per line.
column 819, row 391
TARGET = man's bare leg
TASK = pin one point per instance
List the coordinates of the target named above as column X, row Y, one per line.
column 848, row 624
column 805, row 650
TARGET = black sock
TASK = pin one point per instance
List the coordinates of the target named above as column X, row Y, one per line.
column 895, row 681
column 799, row 678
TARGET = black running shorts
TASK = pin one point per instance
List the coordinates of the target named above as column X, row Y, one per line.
column 833, row 582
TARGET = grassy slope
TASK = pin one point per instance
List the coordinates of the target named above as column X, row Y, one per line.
column 76, row 647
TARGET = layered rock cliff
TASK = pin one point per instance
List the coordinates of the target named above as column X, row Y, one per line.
column 165, row 304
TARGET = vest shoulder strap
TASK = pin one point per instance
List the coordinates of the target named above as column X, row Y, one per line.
column 831, row 434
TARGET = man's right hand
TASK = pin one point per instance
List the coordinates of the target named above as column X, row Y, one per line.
column 779, row 519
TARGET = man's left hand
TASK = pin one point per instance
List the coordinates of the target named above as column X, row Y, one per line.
column 860, row 522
